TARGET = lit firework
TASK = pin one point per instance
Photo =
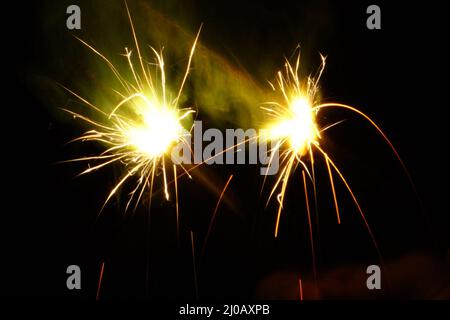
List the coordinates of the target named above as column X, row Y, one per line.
column 297, row 136
column 142, row 128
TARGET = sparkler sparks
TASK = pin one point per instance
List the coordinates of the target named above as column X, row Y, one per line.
column 293, row 125
column 298, row 137
column 140, row 130
column 142, row 127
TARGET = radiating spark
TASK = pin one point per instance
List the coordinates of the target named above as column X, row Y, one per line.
column 142, row 128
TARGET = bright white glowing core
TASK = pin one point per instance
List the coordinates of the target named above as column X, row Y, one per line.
column 160, row 129
column 298, row 125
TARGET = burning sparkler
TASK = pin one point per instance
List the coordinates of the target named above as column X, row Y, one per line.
column 142, row 127
column 297, row 136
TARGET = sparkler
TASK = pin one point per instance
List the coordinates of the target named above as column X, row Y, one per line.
column 297, row 134
column 142, row 127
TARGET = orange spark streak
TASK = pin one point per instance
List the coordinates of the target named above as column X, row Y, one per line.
column 363, row 216
column 313, row 252
column 283, row 191
column 214, row 213
column 333, row 190
column 100, row 281
column 177, row 212
column 381, row 132
column 300, row 288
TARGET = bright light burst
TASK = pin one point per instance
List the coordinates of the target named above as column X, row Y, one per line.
column 142, row 127
column 298, row 126
column 297, row 135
